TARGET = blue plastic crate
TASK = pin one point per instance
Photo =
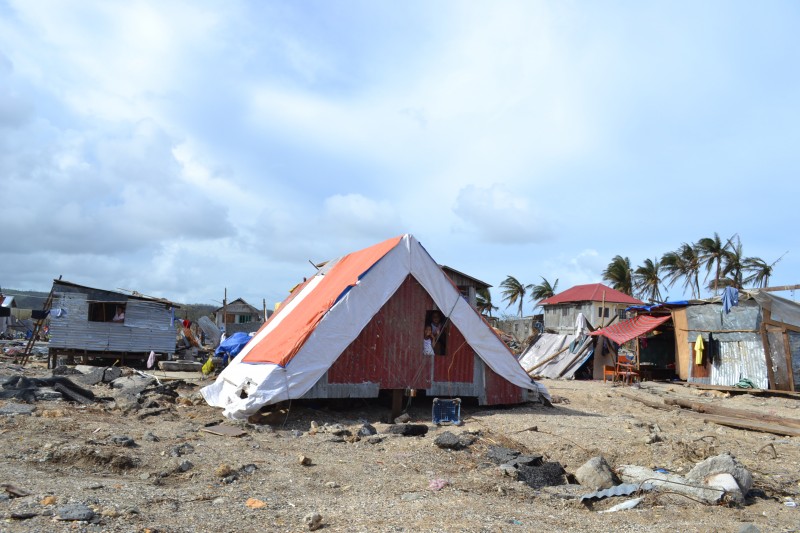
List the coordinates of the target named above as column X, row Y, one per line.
column 447, row 411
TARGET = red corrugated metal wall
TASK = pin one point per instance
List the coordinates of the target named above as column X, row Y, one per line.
column 458, row 364
column 499, row 391
column 389, row 349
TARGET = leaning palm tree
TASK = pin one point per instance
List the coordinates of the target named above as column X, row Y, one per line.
column 712, row 253
column 647, row 280
column 483, row 300
column 513, row 292
column 543, row 290
column 618, row 274
column 759, row 271
column 683, row 263
column 733, row 263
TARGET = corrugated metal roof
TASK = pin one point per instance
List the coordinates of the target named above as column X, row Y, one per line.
column 593, row 292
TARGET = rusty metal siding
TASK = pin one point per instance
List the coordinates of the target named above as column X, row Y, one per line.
column 457, row 364
column 388, row 351
column 146, row 327
column 499, row 391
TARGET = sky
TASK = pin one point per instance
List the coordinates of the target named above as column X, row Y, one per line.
column 182, row 148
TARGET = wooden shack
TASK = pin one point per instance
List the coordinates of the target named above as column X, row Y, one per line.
column 82, row 323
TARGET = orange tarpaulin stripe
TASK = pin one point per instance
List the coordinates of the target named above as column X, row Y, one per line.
column 283, row 342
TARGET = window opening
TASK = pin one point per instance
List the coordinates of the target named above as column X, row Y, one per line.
column 438, row 330
column 106, row 312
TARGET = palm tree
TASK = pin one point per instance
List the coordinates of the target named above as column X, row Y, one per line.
column 683, row 263
column 514, row 291
column 483, row 300
column 712, row 252
column 618, row 273
column 543, row 290
column 733, row 263
column 759, row 270
column 647, row 282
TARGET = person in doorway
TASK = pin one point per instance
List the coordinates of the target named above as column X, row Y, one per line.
column 437, row 328
column 427, row 343
column 120, row 316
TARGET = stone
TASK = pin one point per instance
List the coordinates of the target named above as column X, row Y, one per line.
column 313, row 521
column 64, row 370
column 46, row 394
column 181, row 450
column 332, row 485
column 48, row 500
column 508, row 470
column 248, row 469
column 448, row 441
column 304, row 461
column 15, row 409
column 297, row 433
column 402, row 419
column 367, row 430
column 722, row 464
column 749, row 528
column 149, row 437
column 595, row 474
column 727, row 483
column 501, row 455
column 336, row 430
column 74, row 512
column 185, row 466
column 526, row 460
column 123, row 440
column 546, row 475
column 230, row 479
column 467, row 439
column 408, row 430
column 375, row 439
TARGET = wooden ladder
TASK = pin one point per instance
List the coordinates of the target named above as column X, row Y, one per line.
column 37, row 326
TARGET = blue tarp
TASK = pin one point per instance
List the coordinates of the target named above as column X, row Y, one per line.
column 653, row 306
column 231, row 346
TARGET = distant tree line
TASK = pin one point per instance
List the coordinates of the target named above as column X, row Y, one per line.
column 723, row 263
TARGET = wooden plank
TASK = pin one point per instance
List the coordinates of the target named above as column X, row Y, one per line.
column 787, row 352
column 713, row 409
column 752, row 425
column 765, row 342
column 224, row 431
column 649, row 403
column 737, row 390
column 542, row 363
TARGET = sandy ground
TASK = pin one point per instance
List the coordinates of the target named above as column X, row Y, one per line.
column 175, row 477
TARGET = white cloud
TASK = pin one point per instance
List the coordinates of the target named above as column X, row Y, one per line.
column 500, row 215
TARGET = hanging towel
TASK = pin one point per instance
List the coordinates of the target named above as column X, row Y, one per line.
column 730, row 298
column 698, row 350
column 151, row 360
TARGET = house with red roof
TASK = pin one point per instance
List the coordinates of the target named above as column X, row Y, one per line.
column 600, row 305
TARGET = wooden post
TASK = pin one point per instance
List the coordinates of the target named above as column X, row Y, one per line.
column 765, row 341
column 264, row 303
column 788, row 353
column 397, row 403
column 225, row 312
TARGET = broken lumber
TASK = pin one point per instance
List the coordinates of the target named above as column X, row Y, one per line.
column 649, row 403
column 537, row 365
column 752, row 425
column 712, row 409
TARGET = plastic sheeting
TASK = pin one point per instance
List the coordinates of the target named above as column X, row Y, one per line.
column 232, row 345
column 243, row 388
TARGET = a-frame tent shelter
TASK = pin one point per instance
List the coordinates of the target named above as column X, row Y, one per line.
column 356, row 327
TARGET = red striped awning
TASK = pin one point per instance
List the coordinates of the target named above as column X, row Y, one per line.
column 631, row 328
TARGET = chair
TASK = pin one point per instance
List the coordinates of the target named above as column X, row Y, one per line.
column 626, row 368
column 609, row 371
